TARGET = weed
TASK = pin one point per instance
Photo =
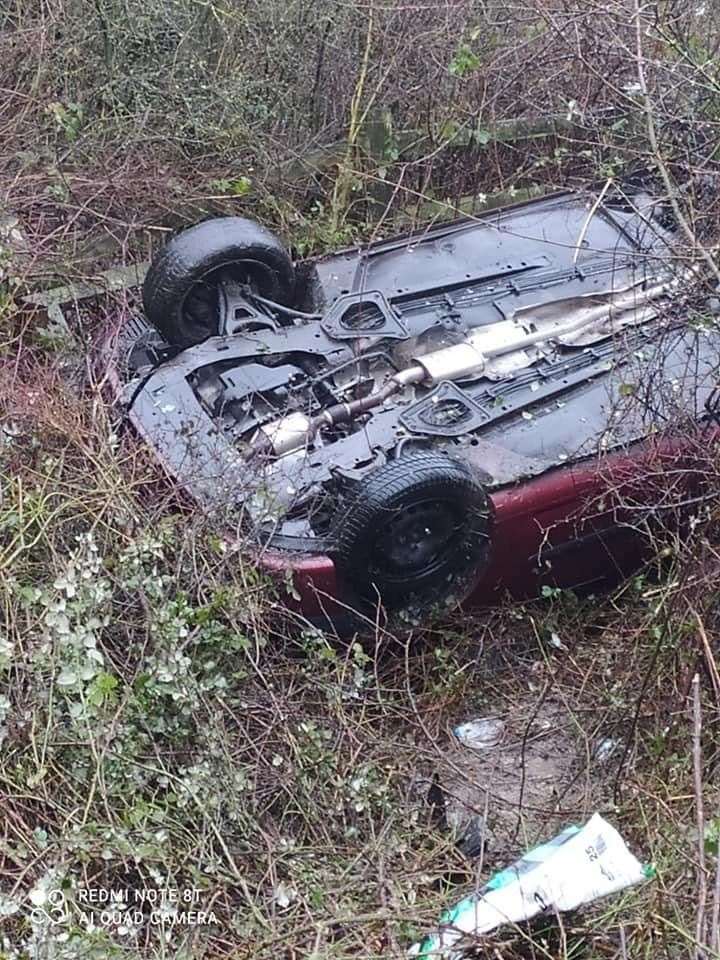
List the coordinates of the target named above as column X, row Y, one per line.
column 160, row 730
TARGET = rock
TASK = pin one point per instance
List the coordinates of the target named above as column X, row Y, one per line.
column 473, row 836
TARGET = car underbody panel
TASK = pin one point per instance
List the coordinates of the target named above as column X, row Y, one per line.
column 527, row 340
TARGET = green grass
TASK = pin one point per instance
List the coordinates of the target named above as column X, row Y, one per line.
column 161, row 726
column 158, row 734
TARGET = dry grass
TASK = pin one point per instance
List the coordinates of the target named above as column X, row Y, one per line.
column 290, row 780
column 160, row 725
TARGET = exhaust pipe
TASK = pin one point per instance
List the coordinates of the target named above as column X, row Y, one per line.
column 469, row 358
column 296, row 430
column 466, row 359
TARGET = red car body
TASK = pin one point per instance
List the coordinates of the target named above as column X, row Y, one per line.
column 565, row 529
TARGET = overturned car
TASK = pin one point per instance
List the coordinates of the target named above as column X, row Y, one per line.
column 427, row 418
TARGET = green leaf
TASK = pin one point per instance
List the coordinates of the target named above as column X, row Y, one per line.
column 449, row 130
column 550, row 593
column 68, row 117
column 712, row 837
column 464, row 61
column 102, row 688
column 140, row 812
column 28, row 595
column 239, row 187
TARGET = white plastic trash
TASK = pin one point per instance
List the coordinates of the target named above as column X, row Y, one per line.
column 580, row 865
column 480, row 734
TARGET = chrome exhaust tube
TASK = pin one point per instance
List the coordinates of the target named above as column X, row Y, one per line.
column 469, row 358
column 295, row 431
column 466, row 359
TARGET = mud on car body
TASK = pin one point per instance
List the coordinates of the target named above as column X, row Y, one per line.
column 421, row 419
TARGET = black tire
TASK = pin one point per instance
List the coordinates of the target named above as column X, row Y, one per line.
column 180, row 289
column 378, row 550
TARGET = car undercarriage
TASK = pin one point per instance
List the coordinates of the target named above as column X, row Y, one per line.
column 366, row 406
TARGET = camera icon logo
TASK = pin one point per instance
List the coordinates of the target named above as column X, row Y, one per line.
column 53, row 910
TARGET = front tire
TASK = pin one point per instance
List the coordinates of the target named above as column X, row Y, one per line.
column 180, row 292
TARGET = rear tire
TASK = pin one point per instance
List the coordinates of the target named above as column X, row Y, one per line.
column 415, row 531
column 180, row 292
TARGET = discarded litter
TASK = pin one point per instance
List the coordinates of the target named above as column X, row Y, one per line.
column 578, row 866
column 480, row 734
column 607, row 748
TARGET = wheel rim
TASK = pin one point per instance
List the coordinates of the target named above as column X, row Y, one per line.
column 415, row 540
column 200, row 309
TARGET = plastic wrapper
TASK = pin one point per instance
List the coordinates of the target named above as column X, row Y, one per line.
column 580, row 865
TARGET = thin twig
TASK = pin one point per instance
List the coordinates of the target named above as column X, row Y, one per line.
column 588, row 220
column 709, row 659
column 623, row 943
column 700, row 927
column 638, row 707
column 715, row 922
column 696, row 247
